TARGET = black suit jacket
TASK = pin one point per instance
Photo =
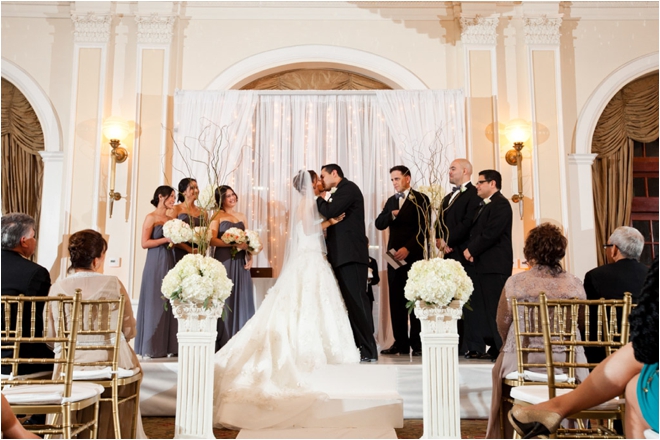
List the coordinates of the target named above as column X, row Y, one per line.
column 347, row 240
column 409, row 228
column 22, row 276
column 490, row 237
column 457, row 220
column 611, row 281
column 373, row 265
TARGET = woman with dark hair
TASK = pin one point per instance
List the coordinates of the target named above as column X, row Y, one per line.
column 544, row 249
column 87, row 251
column 188, row 212
column 156, row 327
column 240, row 305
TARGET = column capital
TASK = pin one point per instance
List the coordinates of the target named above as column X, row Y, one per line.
column 582, row 158
column 479, row 29
column 52, row 156
column 91, row 27
column 543, row 29
column 155, row 28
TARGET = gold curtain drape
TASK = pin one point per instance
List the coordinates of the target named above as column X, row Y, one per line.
column 315, row 79
column 631, row 114
column 22, row 166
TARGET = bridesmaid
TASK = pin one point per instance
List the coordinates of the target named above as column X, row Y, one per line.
column 241, row 302
column 156, row 327
column 188, row 212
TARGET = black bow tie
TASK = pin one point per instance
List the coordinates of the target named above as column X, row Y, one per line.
column 455, row 188
column 400, row 195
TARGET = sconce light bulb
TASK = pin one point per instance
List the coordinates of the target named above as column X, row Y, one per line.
column 518, row 131
column 115, row 128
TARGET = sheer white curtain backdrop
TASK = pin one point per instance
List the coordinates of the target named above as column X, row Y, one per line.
column 280, row 132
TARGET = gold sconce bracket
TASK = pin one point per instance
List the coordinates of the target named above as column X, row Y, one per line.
column 120, row 153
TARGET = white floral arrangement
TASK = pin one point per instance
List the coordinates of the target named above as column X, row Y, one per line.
column 435, row 193
column 206, row 198
column 201, row 235
column 198, row 279
column 177, row 231
column 437, row 282
column 234, row 237
column 253, row 241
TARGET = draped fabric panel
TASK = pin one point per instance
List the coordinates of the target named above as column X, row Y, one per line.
column 22, row 166
column 315, row 79
column 286, row 131
column 632, row 114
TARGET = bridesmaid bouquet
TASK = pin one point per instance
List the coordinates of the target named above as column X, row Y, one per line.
column 253, row 241
column 199, row 280
column 437, row 282
column 234, row 236
column 178, row 231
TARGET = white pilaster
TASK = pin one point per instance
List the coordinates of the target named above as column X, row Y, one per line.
column 51, row 196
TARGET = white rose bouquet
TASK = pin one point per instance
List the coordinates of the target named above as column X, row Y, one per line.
column 437, row 282
column 197, row 279
column 206, row 198
column 178, row 231
column 234, row 237
column 253, row 241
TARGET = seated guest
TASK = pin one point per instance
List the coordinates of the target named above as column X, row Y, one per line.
column 633, row 369
column 544, row 249
column 22, row 276
column 624, row 273
column 11, row 427
column 87, row 250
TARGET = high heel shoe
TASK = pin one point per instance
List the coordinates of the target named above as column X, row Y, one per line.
column 534, row 423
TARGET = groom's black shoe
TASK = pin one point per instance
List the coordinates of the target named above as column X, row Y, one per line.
column 368, row 359
column 417, row 352
column 394, row 350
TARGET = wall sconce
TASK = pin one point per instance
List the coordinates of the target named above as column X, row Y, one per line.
column 115, row 130
column 517, row 132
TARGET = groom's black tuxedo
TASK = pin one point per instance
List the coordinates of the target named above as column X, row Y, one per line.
column 457, row 218
column 348, row 254
column 409, row 230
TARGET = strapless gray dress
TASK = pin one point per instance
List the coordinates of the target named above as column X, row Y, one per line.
column 156, row 327
column 239, row 307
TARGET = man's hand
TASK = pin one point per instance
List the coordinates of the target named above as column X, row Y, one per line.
column 401, row 254
column 395, row 212
column 468, row 256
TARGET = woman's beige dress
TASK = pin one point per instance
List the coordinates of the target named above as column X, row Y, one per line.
column 525, row 286
column 98, row 286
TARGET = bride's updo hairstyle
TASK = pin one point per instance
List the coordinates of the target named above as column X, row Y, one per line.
column 163, row 191
column 299, row 181
column 84, row 246
column 221, row 195
column 183, row 186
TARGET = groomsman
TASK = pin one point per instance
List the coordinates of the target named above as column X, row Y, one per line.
column 406, row 213
column 458, row 211
column 490, row 250
column 348, row 254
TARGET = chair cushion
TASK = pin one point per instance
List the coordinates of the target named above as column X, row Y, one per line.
column 50, row 394
column 103, row 373
column 535, row 394
column 38, row 374
column 536, row 377
column 649, row 433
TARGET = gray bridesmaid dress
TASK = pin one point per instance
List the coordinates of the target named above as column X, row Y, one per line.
column 156, row 327
column 239, row 307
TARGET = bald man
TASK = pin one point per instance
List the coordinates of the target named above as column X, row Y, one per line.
column 459, row 209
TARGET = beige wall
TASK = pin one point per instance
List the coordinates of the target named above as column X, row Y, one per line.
column 422, row 37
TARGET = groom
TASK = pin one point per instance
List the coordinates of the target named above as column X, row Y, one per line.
column 348, row 253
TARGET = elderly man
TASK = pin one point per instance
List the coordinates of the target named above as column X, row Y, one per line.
column 22, row 276
column 624, row 273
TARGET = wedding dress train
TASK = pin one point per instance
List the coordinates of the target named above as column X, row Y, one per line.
column 302, row 324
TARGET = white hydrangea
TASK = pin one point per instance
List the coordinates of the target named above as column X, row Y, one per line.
column 253, row 241
column 438, row 281
column 178, row 231
column 206, row 198
column 198, row 279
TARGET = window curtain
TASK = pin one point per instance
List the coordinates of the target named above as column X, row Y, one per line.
column 359, row 131
column 632, row 114
column 22, row 166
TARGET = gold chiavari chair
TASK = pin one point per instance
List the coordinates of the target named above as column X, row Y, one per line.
column 564, row 343
column 58, row 396
column 99, row 339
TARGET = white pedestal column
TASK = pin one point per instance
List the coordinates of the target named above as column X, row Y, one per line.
column 442, row 409
column 194, row 396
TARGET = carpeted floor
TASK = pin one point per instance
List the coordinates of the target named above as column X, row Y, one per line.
column 163, row 427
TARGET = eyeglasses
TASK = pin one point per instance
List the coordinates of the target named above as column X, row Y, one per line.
column 481, row 182
column 605, row 246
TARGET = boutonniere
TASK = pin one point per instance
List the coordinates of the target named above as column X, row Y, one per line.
column 487, row 201
column 463, row 189
column 411, row 196
column 332, row 191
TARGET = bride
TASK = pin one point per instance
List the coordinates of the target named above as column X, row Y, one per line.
column 302, row 324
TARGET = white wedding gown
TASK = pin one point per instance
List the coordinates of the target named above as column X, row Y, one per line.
column 302, row 324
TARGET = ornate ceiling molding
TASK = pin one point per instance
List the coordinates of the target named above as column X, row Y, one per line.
column 155, row 28
column 542, row 30
column 479, row 30
column 91, row 27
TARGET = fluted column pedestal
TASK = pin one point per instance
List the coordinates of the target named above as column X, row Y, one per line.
column 194, row 396
column 441, row 397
